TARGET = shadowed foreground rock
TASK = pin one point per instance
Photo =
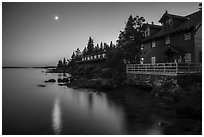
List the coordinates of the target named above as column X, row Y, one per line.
column 50, row 80
column 99, row 83
column 64, row 80
column 41, row 85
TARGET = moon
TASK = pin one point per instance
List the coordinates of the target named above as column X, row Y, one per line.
column 56, row 17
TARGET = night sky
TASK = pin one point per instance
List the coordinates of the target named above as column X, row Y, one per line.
column 38, row 34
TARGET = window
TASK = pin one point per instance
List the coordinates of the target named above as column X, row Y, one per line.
column 187, row 36
column 167, row 40
column 147, row 32
column 131, row 37
column 142, row 47
column 141, row 60
column 153, row 59
column 169, row 23
column 153, row 44
column 187, row 57
column 104, row 55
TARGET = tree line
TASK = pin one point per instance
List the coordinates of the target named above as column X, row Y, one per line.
column 92, row 49
column 128, row 44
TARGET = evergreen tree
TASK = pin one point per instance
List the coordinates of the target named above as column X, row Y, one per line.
column 96, row 49
column 90, row 46
column 64, row 61
column 106, row 47
column 73, row 55
column 59, row 63
column 78, row 52
column 130, row 39
column 101, row 46
column 84, row 52
column 111, row 45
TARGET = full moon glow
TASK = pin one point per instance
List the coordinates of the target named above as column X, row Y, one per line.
column 56, row 17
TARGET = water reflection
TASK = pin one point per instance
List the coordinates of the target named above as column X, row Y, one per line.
column 57, row 117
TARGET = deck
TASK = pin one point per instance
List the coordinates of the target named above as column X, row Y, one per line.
column 172, row 69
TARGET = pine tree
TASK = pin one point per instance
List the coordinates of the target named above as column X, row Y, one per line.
column 84, row 52
column 101, row 46
column 64, row 61
column 111, row 45
column 90, row 46
column 59, row 63
column 96, row 49
column 130, row 39
column 73, row 55
column 78, row 52
column 106, row 47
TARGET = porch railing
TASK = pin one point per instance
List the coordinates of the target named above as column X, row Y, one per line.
column 165, row 68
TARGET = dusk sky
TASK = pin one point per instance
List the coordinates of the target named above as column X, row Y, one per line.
column 32, row 36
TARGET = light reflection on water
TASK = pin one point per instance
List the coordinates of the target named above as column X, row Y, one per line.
column 57, row 117
column 63, row 110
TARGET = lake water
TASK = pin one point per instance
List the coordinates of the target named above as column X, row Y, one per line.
column 53, row 109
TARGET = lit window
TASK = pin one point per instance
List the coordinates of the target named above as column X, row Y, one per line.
column 104, row 55
column 153, row 44
column 131, row 37
column 147, row 32
column 187, row 36
column 142, row 47
column 141, row 60
column 153, row 59
column 167, row 40
column 169, row 23
column 95, row 56
column 187, row 57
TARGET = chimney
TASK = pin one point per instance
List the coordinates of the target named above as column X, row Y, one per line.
column 152, row 23
column 200, row 6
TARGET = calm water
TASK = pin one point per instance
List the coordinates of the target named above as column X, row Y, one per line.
column 53, row 109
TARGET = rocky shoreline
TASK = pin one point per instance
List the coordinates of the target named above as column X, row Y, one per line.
column 186, row 97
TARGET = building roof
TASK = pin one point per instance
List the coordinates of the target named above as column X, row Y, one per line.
column 192, row 20
column 166, row 14
column 152, row 25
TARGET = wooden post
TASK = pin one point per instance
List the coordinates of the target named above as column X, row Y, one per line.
column 145, row 68
column 176, row 68
column 164, row 67
column 188, row 68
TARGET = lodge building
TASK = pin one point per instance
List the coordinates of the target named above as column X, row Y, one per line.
column 178, row 39
column 95, row 57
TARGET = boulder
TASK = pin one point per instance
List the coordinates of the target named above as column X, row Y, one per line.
column 50, row 80
column 40, row 85
column 64, row 80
